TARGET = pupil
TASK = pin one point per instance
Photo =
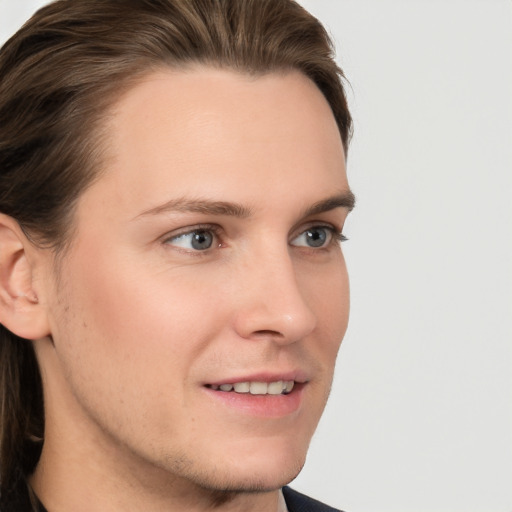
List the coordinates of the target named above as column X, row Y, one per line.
column 202, row 240
column 316, row 238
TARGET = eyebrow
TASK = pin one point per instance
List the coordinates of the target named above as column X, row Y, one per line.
column 345, row 199
column 204, row 206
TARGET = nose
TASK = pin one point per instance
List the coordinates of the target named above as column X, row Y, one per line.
column 271, row 302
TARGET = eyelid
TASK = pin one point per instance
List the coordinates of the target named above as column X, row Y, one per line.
column 213, row 228
column 336, row 233
column 336, row 230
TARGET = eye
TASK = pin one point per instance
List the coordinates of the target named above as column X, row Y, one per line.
column 316, row 237
column 196, row 240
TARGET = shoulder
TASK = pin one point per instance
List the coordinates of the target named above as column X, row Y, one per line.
column 297, row 502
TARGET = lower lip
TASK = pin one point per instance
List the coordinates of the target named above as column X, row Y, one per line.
column 264, row 406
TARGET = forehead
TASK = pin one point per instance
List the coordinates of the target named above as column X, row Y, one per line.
column 179, row 132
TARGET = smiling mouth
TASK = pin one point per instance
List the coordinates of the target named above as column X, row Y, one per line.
column 280, row 387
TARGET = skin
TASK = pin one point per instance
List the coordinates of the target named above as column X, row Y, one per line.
column 140, row 321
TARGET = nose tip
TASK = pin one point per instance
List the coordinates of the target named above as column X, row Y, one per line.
column 276, row 309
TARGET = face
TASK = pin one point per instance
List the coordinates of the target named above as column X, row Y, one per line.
column 198, row 312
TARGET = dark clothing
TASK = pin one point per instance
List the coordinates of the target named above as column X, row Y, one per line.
column 295, row 501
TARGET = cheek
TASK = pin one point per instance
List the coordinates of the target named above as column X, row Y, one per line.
column 150, row 323
column 329, row 298
column 130, row 341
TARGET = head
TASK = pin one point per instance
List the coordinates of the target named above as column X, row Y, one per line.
column 172, row 182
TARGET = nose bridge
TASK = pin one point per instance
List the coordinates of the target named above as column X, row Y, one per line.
column 273, row 302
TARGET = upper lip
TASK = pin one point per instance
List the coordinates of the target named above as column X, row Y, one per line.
column 298, row 376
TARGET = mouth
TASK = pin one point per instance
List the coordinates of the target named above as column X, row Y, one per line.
column 279, row 387
column 263, row 396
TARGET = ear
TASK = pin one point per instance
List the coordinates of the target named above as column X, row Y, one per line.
column 20, row 309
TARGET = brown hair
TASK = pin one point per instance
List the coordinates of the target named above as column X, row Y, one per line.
column 60, row 74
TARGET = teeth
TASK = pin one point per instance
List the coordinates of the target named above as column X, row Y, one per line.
column 242, row 387
column 275, row 388
column 258, row 388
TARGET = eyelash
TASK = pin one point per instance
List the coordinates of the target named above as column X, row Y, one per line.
column 208, row 228
column 336, row 237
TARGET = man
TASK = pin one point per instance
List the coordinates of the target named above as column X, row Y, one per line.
column 173, row 292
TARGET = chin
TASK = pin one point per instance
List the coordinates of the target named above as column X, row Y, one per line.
column 253, row 483
column 261, row 471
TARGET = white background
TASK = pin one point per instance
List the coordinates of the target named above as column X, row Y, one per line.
column 420, row 418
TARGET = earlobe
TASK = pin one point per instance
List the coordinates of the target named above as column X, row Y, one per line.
column 20, row 309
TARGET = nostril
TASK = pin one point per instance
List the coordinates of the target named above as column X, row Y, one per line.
column 268, row 333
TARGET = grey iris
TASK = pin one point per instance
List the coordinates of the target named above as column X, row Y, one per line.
column 316, row 237
column 202, row 240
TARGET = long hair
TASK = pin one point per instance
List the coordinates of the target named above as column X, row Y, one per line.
column 59, row 76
